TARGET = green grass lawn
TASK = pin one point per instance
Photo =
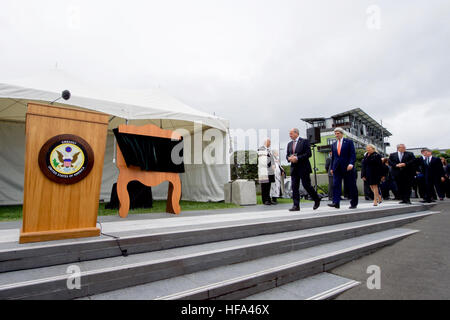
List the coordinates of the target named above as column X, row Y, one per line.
column 11, row 213
column 280, row 200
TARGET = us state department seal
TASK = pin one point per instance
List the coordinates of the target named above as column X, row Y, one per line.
column 66, row 159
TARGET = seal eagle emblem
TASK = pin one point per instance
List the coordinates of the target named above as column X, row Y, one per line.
column 66, row 159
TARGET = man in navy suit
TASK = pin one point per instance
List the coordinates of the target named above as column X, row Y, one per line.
column 298, row 154
column 434, row 175
column 343, row 157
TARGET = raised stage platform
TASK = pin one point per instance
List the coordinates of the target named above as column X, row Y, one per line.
column 221, row 254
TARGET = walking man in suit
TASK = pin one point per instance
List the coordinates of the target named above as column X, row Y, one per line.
column 434, row 175
column 343, row 159
column 403, row 167
column 298, row 154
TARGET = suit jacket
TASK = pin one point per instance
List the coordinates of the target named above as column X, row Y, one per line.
column 339, row 163
column 433, row 171
column 408, row 158
column 303, row 152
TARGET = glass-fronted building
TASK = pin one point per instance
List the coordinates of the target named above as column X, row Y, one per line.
column 358, row 126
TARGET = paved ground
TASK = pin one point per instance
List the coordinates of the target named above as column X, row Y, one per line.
column 417, row 267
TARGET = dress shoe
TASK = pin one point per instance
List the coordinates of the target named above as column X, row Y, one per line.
column 294, row 208
column 316, row 204
column 274, row 203
column 402, row 202
column 267, row 203
column 334, row 205
column 425, row 201
column 352, row 207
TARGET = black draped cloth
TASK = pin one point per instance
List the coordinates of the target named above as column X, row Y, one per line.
column 151, row 153
column 140, row 196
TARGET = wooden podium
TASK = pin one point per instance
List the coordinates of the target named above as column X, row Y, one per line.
column 63, row 169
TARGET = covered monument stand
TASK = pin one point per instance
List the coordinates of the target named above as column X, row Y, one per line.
column 200, row 181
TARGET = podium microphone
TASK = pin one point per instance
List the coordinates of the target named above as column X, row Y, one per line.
column 65, row 95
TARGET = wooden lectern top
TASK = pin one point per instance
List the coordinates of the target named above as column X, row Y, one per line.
column 57, row 112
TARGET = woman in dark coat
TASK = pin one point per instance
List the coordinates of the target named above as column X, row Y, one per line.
column 373, row 172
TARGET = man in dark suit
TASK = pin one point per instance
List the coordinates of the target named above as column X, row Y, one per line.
column 403, row 164
column 434, row 175
column 343, row 160
column 298, row 153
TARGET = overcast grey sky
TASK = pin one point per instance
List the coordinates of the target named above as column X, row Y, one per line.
column 260, row 64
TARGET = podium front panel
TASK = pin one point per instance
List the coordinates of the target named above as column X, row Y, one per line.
column 60, row 199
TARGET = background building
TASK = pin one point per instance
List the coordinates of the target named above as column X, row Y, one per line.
column 358, row 126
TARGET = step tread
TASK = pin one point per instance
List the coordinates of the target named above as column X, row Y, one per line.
column 174, row 224
column 174, row 287
column 174, row 253
column 317, row 287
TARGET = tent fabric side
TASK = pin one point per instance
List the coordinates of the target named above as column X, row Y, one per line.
column 200, row 182
column 12, row 162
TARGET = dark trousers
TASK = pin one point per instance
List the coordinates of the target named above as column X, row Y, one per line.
column 330, row 187
column 386, row 187
column 368, row 193
column 404, row 184
column 446, row 185
column 265, row 192
column 431, row 186
column 306, row 182
column 349, row 178
column 421, row 186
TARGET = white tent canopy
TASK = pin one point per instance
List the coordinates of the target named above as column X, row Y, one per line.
column 126, row 104
column 200, row 182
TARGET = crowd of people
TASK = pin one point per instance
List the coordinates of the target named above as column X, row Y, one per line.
column 400, row 173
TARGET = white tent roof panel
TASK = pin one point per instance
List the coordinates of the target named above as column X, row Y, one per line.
column 125, row 104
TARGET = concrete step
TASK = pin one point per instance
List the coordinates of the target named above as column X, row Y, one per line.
column 246, row 279
column 140, row 236
column 320, row 286
column 118, row 272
